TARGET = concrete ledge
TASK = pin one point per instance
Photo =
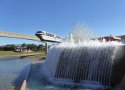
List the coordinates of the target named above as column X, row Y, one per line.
column 23, row 87
column 24, row 83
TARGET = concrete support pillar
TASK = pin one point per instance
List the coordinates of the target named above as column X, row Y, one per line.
column 46, row 47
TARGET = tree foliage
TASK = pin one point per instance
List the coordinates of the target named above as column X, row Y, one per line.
column 11, row 47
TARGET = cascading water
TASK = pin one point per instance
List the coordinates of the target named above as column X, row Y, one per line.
column 84, row 64
column 81, row 62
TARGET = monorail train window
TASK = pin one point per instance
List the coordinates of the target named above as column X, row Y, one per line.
column 47, row 34
column 58, row 37
column 39, row 31
column 43, row 32
column 52, row 35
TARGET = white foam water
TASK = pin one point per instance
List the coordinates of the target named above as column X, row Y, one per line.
column 80, row 61
column 86, row 64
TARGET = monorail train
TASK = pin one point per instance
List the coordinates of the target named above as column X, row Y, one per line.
column 45, row 36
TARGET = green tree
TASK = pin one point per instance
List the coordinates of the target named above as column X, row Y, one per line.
column 40, row 47
column 24, row 45
column 9, row 47
column 32, row 47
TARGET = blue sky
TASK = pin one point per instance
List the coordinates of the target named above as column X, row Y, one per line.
column 104, row 17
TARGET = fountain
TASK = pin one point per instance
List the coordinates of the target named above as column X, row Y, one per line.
column 90, row 65
column 83, row 63
column 80, row 63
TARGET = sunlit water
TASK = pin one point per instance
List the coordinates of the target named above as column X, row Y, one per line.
column 11, row 72
column 36, row 81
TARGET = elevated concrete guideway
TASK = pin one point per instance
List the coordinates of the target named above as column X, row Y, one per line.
column 21, row 36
